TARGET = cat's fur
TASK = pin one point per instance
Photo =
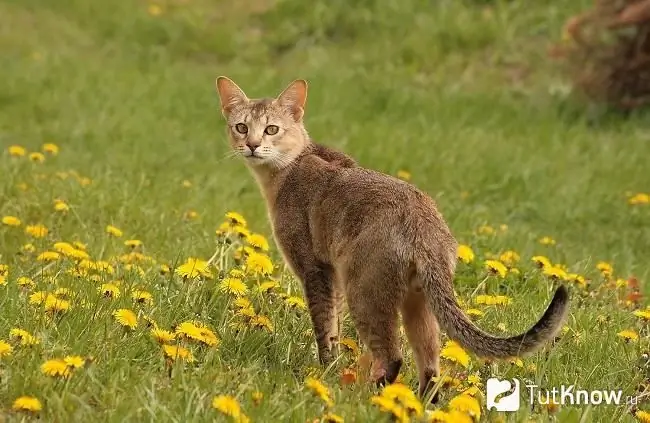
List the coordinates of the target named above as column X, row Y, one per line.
column 351, row 232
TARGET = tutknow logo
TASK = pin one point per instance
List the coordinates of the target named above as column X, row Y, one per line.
column 565, row 395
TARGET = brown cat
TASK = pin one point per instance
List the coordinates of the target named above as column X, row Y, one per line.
column 351, row 232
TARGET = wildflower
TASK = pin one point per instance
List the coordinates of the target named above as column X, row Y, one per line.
column 243, row 252
column 541, row 261
column 10, row 221
column 154, row 10
column 259, row 263
column 319, row 390
column 515, row 361
column 26, row 403
column 474, row 313
column 233, row 286
column 492, row 299
column 54, row 304
column 17, row 151
column 404, row 175
column 509, row 257
column 296, row 302
column 61, row 206
column 229, row 406
column 5, row 349
column 56, row 367
column 605, row 268
column 191, row 215
column 643, row 416
column 74, row 361
column 241, row 231
column 502, row 327
column 578, row 279
column 176, row 352
column 257, row 397
column 547, row 240
column 644, row 314
column 267, row 286
column 126, row 317
column 258, row 241
column 162, row 336
column 112, row 230
column 452, row 351
column 23, row 336
column 554, row 272
column 48, row 256
column 236, row 219
column 133, row 243
column 193, row 268
column 63, row 293
column 466, row 404
column 465, row 253
column 37, row 157
column 142, row 297
column 50, row 148
column 208, row 337
column 36, row 231
column 262, row 322
column 351, row 345
column 186, row 184
column 109, row 290
column 640, row 198
column 486, row 230
column 332, row 418
column 164, row 269
column 28, row 248
column 496, row 267
column 628, row 335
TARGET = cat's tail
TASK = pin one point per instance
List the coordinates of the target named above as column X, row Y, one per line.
column 459, row 327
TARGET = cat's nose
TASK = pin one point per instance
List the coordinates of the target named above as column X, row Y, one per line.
column 252, row 146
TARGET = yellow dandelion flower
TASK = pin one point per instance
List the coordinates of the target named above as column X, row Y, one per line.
column 628, row 335
column 63, row 293
column 24, row 337
column 164, row 269
column 509, row 258
column 242, row 302
column 56, row 305
column 26, row 403
column 267, row 286
column 515, row 361
column 74, row 361
column 3, row 280
column 605, row 268
column 261, row 322
column 465, row 253
column 640, row 198
column 236, row 219
column 162, row 336
column 61, row 206
column 496, row 267
column 193, row 268
column 50, row 148
column 133, row 243
column 191, row 215
column 229, row 406
column 259, row 263
column 186, row 183
column 643, row 314
column 142, row 297
column 176, row 352
column 642, row 416
column 492, row 299
column 332, row 418
column 233, row 286
column 452, row 351
column 547, row 240
column 28, row 248
column 56, row 367
column 296, row 302
column 5, row 349
column 404, row 175
column 126, row 318
column 48, row 256
column 25, row 282
column 474, row 313
column 319, row 390
column 243, row 252
column 37, row 157
column 36, row 231
column 351, row 345
column 109, row 290
column 189, row 330
column 10, row 221
column 113, row 231
column 258, row 241
column 554, row 272
column 466, row 404
column 17, row 151
column 541, row 261
column 486, row 230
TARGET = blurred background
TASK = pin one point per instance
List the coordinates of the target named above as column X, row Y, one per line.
column 492, row 107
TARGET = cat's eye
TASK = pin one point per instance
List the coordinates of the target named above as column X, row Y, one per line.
column 241, row 128
column 271, row 129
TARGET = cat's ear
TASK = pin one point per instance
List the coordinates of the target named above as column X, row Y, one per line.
column 229, row 94
column 294, row 98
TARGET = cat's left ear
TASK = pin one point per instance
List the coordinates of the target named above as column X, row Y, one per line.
column 229, row 94
column 294, row 98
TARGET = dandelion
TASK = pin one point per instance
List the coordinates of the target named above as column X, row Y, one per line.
column 236, row 219
column 640, row 198
column 25, row 282
column 541, row 261
column 496, row 267
column 176, row 352
column 25, row 338
column 56, row 368
column 486, row 230
column 554, row 272
column 164, row 269
column 56, row 305
column 5, row 349
column 26, row 403
column 332, row 418
column 113, row 231
column 154, row 10
column 259, row 263
column 465, row 253
column 319, row 390
column 258, row 241
column 126, row 318
column 267, row 286
column 233, row 286
column 509, row 257
column 466, row 404
column 643, row 314
column 351, row 345
column 452, row 351
column 48, row 256
column 474, row 313
column 162, row 336
column 109, row 290
column 50, row 148
column 36, row 231
column 241, row 231
column 643, row 416
column 296, row 302
column 229, row 406
column 492, row 299
column 28, row 248
column 61, row 206
column 74, row 361
column 605, row 268
column 63, row 293
column 17, row 151
column 10, row 221
column 628, row 335
column 261, row 322
column 186, row 184
column 193, row 268
column 547, row 240
column 404, row 175
column 142, row 297
column 133, row 243
column 37, row 157
column 577, row 279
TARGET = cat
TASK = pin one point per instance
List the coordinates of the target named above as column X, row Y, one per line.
column 352, row 233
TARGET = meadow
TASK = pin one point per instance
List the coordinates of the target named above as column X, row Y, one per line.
column 138, row 277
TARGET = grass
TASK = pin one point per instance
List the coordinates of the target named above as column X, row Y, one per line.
column 460, row 94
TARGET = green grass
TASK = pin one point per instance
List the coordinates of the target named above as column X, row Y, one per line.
column 461, row 94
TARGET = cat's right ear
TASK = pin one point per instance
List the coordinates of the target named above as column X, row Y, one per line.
column 229, row 94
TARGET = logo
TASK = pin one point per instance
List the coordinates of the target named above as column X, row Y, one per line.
column 495, row 387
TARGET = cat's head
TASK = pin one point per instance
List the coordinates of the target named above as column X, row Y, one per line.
column 268, row 131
